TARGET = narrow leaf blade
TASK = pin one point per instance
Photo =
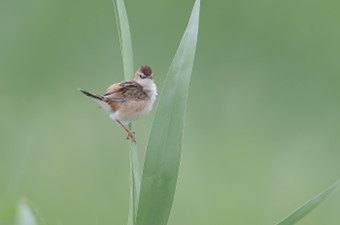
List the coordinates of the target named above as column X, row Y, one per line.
column 25, row 215
column 127, row 57
column 310, row 205
column 165, row 143
column 124, row 38
column 134, row 182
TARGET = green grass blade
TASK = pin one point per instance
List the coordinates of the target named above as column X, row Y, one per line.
column 124, row 38
column 165, row 143
column 127, row 57
column 134, row 182
column 25, row 215
column 310, row 205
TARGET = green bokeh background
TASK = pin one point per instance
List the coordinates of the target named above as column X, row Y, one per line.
column 262, row 125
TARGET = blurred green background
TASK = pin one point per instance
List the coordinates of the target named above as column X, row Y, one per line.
column 262, row 125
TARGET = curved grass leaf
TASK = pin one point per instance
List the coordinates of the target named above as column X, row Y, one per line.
column 310, row 205
column 134, row 182
column 124, row 38
column 165, row 143
column 127, row 57
column 25, row 215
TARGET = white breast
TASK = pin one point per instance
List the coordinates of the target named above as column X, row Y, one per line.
column 150, row 87
column 132, row 110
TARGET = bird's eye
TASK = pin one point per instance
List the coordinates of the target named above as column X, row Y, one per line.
column 141, row 75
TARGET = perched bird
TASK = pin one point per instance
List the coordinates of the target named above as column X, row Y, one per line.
column 128, row 100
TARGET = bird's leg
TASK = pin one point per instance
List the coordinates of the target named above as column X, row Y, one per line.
column 130, row 134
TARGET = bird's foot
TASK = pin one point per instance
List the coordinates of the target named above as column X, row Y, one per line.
column 132, row 135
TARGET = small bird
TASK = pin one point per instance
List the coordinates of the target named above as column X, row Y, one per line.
column 128, row 100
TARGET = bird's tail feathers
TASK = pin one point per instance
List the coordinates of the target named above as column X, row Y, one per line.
column 92, row 95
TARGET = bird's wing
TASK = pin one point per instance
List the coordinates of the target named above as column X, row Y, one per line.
column 125, row 91
column 113, row 88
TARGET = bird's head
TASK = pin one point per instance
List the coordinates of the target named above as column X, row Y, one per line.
column 144, row 73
